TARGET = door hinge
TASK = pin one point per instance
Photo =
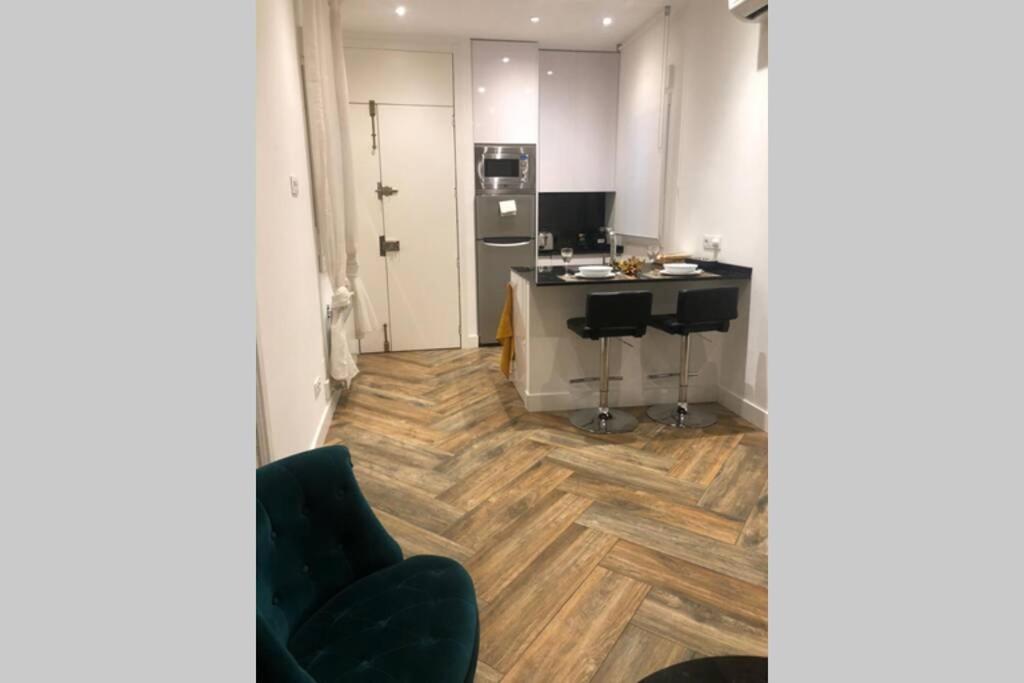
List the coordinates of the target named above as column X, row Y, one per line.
column 384, row 190
column 387, row 245
column 373, row 127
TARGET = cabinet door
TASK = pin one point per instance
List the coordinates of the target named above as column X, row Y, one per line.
column 578, row 119
column 505, row 92
column 642, row 134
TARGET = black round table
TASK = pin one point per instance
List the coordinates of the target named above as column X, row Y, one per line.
column 714, row 670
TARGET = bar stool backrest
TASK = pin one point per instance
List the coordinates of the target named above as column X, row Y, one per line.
column 618, row 314
column 715, row 305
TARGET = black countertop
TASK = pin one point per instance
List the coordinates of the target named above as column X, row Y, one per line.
column 713, row 270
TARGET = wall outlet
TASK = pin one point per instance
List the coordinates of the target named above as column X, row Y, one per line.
column 712, row 242
column 294, row 183
column 317, row 387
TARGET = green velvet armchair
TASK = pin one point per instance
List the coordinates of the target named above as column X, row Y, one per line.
column 335, row 601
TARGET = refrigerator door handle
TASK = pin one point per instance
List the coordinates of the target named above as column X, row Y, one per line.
column 506, row 244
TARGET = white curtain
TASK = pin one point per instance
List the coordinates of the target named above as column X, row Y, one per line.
column 333, row 181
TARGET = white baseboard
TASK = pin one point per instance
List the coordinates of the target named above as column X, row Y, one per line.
column 471, row 341
column 325, row 420
column 749, row 411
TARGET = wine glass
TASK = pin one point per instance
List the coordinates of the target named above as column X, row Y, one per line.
column 566, row 257
column 653, row 252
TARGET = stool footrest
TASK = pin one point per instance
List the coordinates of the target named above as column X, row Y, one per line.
column 661, row 375
column 577, row 380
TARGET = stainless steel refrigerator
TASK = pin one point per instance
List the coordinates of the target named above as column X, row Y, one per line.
column 503, row 240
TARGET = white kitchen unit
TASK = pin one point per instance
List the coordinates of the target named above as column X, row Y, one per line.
column 554, row 369
column 505, row 92
column 642, row 138
column 579, row 94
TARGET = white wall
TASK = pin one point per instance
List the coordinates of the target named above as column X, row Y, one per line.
column 289, row 331
column 717, row 181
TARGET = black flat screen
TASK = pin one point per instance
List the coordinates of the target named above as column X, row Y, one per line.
column 501, row 168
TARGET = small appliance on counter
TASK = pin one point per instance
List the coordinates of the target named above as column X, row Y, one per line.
column 545, row 241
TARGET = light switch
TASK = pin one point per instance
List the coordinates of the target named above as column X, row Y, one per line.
column 294, row 182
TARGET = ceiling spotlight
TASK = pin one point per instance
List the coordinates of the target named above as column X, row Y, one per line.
column 607, row 21
column 534, row 20
column 551, row 73
column 481, row 89
column 400, row 10
column 505, row 60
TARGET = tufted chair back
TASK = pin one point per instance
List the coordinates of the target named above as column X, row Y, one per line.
column 315, row 534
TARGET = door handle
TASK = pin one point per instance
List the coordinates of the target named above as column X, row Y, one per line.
column 384, row 191
column 506, row 244
column 388, row 245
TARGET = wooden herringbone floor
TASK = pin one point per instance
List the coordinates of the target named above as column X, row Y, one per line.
column 594, row 558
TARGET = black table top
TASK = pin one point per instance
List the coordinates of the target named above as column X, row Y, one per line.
column 734, row 669
column 551, row 276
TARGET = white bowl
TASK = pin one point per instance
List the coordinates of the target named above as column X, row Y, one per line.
column 680, row 268
column 595, row 271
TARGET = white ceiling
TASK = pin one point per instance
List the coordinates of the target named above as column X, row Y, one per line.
column 572, row 24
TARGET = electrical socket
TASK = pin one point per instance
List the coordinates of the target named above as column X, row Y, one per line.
column 317, row 386
column 293, row 182
column 712, row 242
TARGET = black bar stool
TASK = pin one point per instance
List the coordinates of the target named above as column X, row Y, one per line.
column 610, row 314
column 697, row 310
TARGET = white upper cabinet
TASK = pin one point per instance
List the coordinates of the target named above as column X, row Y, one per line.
column 642, row 132
column 579, row 94
column 505, row 76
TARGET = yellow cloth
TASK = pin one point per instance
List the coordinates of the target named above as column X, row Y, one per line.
column 504, row 333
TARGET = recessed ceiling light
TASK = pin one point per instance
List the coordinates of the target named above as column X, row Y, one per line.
column 481, row 89
column 400, row 10
column 505, row 60
column 535, row 20
column 607, row 21
column 551, row 73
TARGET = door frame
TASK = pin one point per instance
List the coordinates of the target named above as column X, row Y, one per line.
column 459, row 49
column 467, row 338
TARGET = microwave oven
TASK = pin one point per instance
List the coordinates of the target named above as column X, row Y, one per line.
column 506, row 169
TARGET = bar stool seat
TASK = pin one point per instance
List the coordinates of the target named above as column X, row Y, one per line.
column 610, row 314
column 670, row 324
column 697, row 310
column 580, row 327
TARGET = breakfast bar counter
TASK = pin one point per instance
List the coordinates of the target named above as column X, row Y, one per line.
column 554, row 369
column 559, row 275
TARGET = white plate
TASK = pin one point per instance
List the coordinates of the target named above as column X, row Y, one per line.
column 680, row 271
column 689, row 272
column 595, row 276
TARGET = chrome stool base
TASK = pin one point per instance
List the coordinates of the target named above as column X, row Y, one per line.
column 671, row 415
column 590, row 420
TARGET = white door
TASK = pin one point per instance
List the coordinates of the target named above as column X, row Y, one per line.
column 417, row 156
column 415, row 288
